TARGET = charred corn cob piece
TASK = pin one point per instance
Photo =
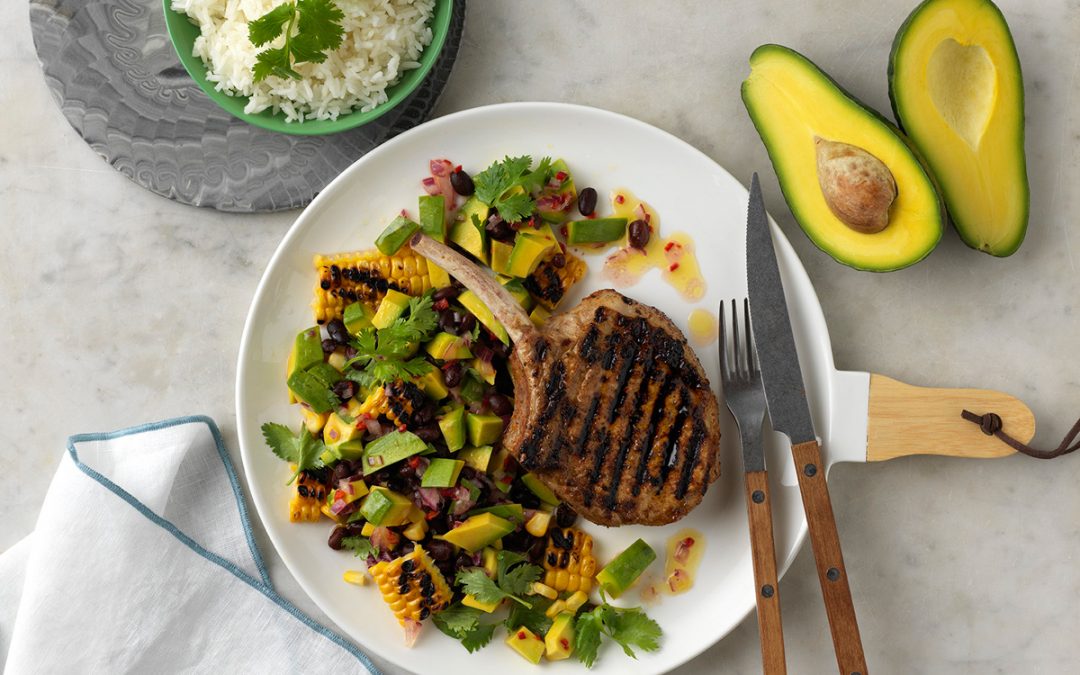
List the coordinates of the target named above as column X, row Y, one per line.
column 569, row 564
column 396, row 401
column 365, row 276
column 309, row 494
column 549, row 282
column 412, row 586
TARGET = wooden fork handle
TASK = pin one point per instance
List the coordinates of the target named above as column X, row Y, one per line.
column 759, row 510
column 828, row 558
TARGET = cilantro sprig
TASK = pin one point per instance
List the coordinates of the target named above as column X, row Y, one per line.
column 384, row 355
column 629, row 627
column 495, row 186
column 463, row 623
column 303, row 450
column 514, row 578
column 360, row 546
column 311, row 29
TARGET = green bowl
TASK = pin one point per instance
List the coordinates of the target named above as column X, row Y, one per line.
column 183, row 32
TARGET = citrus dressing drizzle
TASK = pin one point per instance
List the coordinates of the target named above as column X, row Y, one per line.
column 704, row 328
column 673, row 256
column 684, row 551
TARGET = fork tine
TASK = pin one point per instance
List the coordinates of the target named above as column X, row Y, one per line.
column 736, row 358
column 750, row 365
column 725, row 375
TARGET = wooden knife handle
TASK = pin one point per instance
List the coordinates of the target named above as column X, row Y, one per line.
column 907, row 420
column 759, row 510
column 828, row 558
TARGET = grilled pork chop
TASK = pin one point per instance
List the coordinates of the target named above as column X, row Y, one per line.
column 612, row 409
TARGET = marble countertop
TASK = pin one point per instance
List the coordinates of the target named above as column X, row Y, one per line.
column 124, row 307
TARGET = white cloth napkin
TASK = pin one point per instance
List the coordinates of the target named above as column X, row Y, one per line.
column 143, row 561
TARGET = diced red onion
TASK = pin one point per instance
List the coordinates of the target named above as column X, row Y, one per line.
column 440, row 167
column 430, row 186
column 373, row 426
column 412, row 631
column 338, row 506
column 345, row 485
column 431, row 498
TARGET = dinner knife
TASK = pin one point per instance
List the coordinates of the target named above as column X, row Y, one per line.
column 785, row 395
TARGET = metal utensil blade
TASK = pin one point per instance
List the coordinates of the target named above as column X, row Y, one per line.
column 785, row 391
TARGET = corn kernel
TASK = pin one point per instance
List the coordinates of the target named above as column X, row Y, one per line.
column 355, row 577
column 575, row 601
column 544, row 590
column 555, row 608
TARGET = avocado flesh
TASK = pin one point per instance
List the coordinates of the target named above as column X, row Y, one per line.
column 468, row 230
column 791, row 102
column 619, row 574
column 442, row 473
column 478, row 531
column 958, row 93
column 477, row 308
column 393, row 305
column 452, row 425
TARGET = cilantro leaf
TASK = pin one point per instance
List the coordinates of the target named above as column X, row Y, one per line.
column 515, row 208
column 493, row 181
column 514, row 575
column 304, row 450
column 478, row 637
column 587, row 637
column 535, row 180
column 318, row 29
column 480, row 586
column 633, row 628
column 270, row 25
column 381, row 354
column 532, row 618
column 463, row 623
column 360, row 546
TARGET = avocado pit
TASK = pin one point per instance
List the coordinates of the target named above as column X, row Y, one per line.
column 857, row 186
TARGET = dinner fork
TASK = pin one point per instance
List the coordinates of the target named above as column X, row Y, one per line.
column 745, row 398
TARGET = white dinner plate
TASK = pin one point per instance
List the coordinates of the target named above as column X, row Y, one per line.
column 605, row 150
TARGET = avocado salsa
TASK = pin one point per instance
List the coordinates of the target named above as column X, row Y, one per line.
column 403, row 392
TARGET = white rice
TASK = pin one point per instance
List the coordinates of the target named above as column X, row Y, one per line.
column 383, row 39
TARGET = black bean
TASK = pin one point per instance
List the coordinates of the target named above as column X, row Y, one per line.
column 500, row 405
column 329, row 345
column 341, row 470
column 536, row 550
column 336, row 535
column 462, row 183
column 446, row 293
column 639, row 234
column 350, row 352
column 448, row 321
column 558, row 260
column 499, row 230
column 337, row 330
column 428, row 434
column 565, row 515
column 586, row 201
column 518, row 540
column 453, row 373
column 468, row 322
column 345, row 389
column 440, row 550
column 354, row 529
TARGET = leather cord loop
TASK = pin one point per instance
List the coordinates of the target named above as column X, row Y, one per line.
column 991, row 425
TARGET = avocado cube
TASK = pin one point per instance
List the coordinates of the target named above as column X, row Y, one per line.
column 483, row 429
column 559, row 640
column 390, row 449
column 385, row 507
column 511, row 512
column 433, row 216
column 313, row 420
column 433, row 384
column 539, row 315
column 595, row 231
column 528, row 644
column 477, row 458
column 452, row 425
column 448, row 347
column 620, row 573
column 325, row 373
column 393, row 305
column 537, row 487
column 472, row 389
column 351, row 450
column 468, row 230
column 397, row 233
column 529, row 250
column 357, row 317
column 338, row 431
column 485, row 369
column 442, row 473
column 438, row 277
column 554, row 203
column 477, row 308
column 479, row 531
column 500, row 256
column 538, row 524
column 312, row 391
column 306, row 350
column 517, row 289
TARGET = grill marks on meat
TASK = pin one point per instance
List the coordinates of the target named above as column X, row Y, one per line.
column 612, row 410
column 614, row 434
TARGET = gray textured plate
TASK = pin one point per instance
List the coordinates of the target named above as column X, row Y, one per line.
column 114, row 73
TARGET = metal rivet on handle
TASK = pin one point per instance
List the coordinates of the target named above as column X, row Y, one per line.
column 767, row 590
column 758, row 496
column 832, row 574
column 810, row 469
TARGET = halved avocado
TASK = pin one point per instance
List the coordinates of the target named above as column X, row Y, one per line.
column 795, row 106
column 957, row 91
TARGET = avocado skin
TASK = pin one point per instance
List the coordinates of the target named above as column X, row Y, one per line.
column 923, row 166
column 894, row 51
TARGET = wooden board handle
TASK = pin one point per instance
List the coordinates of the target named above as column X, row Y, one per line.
column 828, row 558
column 909, row 420
column 759, row 510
